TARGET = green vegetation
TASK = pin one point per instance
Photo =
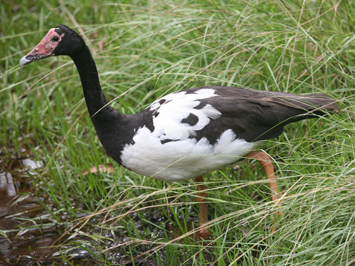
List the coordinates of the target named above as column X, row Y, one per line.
column 145, row 49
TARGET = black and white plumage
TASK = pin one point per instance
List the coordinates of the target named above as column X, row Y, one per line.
column 196, row 131
column 184, row 134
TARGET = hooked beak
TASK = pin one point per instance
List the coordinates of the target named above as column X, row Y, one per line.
column 24, row 61
column 29, row 58
column 36, row 54
column 44, row 49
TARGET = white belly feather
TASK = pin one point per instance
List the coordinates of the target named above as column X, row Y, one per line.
column 184, row 157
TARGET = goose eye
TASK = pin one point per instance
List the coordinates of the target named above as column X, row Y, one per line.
column 55, row 38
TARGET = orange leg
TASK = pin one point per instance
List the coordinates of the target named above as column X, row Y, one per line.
column 203, row 208
column 265, row 162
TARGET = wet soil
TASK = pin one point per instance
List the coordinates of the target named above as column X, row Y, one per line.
column 27, row 232
column 21, row 240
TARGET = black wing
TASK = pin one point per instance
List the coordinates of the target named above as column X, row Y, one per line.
column 258, row 115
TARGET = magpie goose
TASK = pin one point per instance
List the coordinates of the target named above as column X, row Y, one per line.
column 185, row 134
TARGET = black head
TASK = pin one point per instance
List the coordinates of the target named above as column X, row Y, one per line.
column 58, row 41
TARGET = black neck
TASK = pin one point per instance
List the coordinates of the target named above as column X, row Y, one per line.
column 94, row 96
column 114, row 129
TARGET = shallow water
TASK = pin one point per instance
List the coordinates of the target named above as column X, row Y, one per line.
column 28, row 233
column 17, row 205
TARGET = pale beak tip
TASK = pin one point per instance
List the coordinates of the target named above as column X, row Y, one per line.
column 24, row 61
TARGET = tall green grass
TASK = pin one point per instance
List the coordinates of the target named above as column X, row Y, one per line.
column 146, row 49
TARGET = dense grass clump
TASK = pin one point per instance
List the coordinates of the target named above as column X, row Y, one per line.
column 146, row 49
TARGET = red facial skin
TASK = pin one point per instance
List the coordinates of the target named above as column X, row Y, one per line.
column 45, row 48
